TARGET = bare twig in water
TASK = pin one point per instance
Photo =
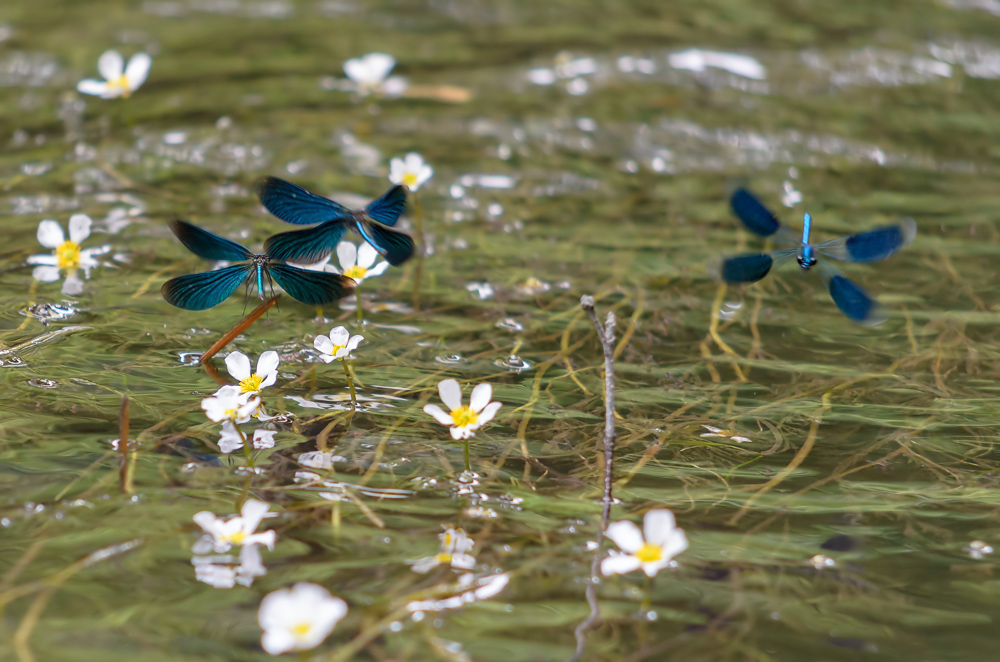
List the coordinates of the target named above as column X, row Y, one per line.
column 126, row 459
column 606, row 334
column 238, row 329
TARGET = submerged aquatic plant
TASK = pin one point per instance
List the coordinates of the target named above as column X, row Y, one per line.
column 237, row 530
column 231, row 438
column 299, row 618
column 229, row 403
column 67, row 254
column 463, row 420
column 119, row 80
column 651, row 549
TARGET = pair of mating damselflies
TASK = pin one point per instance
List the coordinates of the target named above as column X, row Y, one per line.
column 871, row 246
column 292, row 204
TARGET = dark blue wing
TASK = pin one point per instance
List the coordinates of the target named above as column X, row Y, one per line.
column 313, row 287
column 853, row 301
column 395, row 246
column 306, row 246
column 756, row 217
column 871, row 246
column 293, row 204
column 207, row 245
column 387, row 209
column 204, row 290
column 751, row 267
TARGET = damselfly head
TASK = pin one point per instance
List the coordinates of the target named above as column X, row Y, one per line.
column 806, row 257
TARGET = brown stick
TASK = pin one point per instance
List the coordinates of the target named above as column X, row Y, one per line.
column 123, row 450
column 606, row 334
column 238, row 329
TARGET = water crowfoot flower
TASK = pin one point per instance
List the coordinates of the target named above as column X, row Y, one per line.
column 238, row 530
column 650, row 549
column 455, row 545
column 339, row 345
column 412, row 171
column 253, row 382
column 119, row 80
column 230, row 404
column 298, row 619
column 67, row 255
column 464, row 420
column 370, row 75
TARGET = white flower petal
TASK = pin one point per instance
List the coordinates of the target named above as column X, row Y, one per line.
column 238, row 365
column 277, row 642
column 111, row 65
column 45, row 274
column 425, row 565
column 353, row 343
column 377, row 270
column 79, row 228
column 451, row 393
column 626, row 535
column 366, row 255
column 378, row 66
column 414, row 161
column 340, row 335
column 50, row 234
column 439, row 414
column 658, row 526
column 347, row 255
column 396, row 170
column 394, row 86
column 619, row 564
column 137, row 70
column 93, row 87
column 252, row 513
column 207, row 521
column 487, row 414
column 323, row 344
column 459, row 433
column 654, row 567
column 267, row 364
column 678, row 543
column 48, row 259
column 463, row 561
column 480, row 397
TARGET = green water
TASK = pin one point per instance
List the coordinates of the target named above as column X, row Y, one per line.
column 873, row 447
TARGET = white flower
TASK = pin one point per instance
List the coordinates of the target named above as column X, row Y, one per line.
column 238, row 530
column 455, row 545
column 230, row 440
column 338, row 345
column 119, row 80
column 791, row 196
column 267, row 371
column 299, row 618
column 370, row 74
column 357, row 263
column 229, row 404
column 650, row 549
column 727, row 434
column 411, row 171
column 464, row 421
column 66, row 254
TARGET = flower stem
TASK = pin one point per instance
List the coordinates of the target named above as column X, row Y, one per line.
column 246, row 444
column 361, row 317
column 418, row 272
column 468, row 467
column 350, row 384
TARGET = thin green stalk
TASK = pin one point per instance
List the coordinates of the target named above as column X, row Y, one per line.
column 468, row 467
column 418, row 273
column 350, row 384
column 361, row 317
column 246, row 444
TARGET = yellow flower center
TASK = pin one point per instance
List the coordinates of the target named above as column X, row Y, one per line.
column 410, row 179
column 68, row 255
column 302, row 629
column 464, row 416
column 357, row 272
column 649, row 553
column 235, row 538
column 336, row 349
column 251, row 384
column 443, row 557
column 120, row 83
